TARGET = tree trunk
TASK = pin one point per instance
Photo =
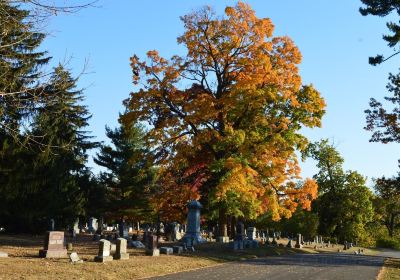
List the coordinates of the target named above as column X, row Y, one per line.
column 233, row 227
column 223, row 227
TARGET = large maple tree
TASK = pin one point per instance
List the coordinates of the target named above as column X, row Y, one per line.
column 224, row 120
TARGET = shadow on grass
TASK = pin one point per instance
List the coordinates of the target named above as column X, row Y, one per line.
column 221, row 252
column 265, row 255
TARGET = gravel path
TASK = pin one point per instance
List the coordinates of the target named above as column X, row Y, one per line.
column 291, row 267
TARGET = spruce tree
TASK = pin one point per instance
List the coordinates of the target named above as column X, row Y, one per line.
column 20, row 66
column 129, row 176
column 48, row 184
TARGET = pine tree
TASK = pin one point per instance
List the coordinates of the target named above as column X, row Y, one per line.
column 54, row 167
column 20, row 65
column 128, row 177
column 20, row 94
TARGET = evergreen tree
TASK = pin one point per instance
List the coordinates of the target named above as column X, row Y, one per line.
column 20, row 65
column 47, row 183
column 128, row 177
column 20, row 94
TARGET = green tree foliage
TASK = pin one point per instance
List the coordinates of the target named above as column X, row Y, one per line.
column 46, row 178
column 387, row 203
column 129, row 177
column 383, row 122
column 227, row 115
column 20, row 65
column 383, row 8
column 344, row 204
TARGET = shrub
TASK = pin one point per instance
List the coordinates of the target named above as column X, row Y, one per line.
column 392, row 243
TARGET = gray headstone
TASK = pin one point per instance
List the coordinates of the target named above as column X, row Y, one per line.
column 298, row 241
column 104, row 251
column 137, row 244
column 251, row 233
column 92, row 226
column 74, row 258
column 3, row 255
column 121, row 252
column 289, row 245
column 153, row 252
column 166, row 250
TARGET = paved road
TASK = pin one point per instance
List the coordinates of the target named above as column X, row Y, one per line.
column 388, row 253
column 291, row 267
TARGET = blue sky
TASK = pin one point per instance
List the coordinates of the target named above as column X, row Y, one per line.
column 335, row 41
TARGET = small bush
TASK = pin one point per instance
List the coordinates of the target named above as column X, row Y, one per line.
column 388, row 242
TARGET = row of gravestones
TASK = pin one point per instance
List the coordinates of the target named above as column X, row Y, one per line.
column 55, row 248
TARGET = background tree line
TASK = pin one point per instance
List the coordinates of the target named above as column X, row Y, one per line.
column 229, row 139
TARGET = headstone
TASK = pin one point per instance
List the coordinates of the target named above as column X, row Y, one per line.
column 92, row 226
column 289, row 245
column 274, row 242
column 104, row 251
column 70, row 247
column 121, row 253
column 74, row 258
column 298, row 241
column 137, row 244
column 223, row 239
column 161, row 228
column 193, row 221
column 123, row 230
column 177, row 249
column 75, row 228
column 151, row 246
column 175, row 232
column 54, row 245
column 166, row 250
column 3, row 255
column 251, row 233
column 100, row 225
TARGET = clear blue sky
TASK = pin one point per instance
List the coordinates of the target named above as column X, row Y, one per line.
column 335, row 41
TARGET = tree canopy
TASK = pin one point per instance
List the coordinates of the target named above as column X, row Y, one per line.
column 227, row 114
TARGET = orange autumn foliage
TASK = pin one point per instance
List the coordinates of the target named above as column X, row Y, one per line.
column 234, row 105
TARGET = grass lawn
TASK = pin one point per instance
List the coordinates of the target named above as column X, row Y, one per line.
column 391, row 270
column 24, row 263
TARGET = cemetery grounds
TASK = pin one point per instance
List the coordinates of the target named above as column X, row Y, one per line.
column 23, row 261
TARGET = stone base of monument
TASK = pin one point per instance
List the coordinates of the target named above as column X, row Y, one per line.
column 153, row 252
column 53, row 254
column 237, row 245
column 251, row 244
column 223, row 239
column 103, row 259
column 121, row 256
